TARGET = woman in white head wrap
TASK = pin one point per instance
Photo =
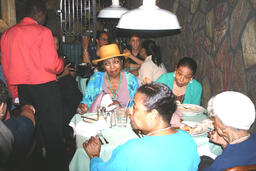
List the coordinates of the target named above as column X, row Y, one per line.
column 233, row 113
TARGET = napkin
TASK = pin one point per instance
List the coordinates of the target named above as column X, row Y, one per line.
column 88, row 129
column 176, row 119
column 104, row 100
column 208, row 123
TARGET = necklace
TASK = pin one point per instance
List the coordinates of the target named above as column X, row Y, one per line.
column 159, row 130
column 114, row 94
column 179, row 91
column 239, row 139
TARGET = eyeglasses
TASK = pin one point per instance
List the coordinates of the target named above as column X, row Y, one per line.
column 104, row 39
column 180, row 74
column 108, row 63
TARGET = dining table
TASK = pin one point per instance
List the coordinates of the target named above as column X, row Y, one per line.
column 116, row 136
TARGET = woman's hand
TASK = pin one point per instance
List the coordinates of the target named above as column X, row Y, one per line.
column 146, row 80
column 85, row 42
column 216, row 138
column 92, row 147
column 115, row 102
column 86, row 57
column 127, row 52
column 82, row 108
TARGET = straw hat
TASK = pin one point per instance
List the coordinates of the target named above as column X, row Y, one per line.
column 108, row 51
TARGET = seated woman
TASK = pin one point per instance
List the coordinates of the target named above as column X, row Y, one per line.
column 152, row 67
column 233, row 113
column 186, row 89
column 164, row 148
column 119, row 84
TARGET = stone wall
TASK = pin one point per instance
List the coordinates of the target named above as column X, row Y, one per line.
column 221, row 36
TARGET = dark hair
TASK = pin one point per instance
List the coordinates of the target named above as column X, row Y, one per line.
column 99, row 33
column 35, row 6
column 159, row 97
column 154, row 50
column 188, row 62
column 134, row 35
column 4, row 96
column 100, row 65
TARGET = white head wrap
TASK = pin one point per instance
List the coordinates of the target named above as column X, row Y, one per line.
column 233, row 108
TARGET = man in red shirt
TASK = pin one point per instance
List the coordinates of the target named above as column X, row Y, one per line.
column 30, row 61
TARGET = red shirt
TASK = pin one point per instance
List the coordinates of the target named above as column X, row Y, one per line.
column 28, row 54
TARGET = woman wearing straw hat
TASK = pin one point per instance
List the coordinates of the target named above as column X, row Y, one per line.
column 120, row 84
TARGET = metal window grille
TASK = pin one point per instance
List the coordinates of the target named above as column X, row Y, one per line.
column 77, row 18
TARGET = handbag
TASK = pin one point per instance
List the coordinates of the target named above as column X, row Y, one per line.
column 96, row 103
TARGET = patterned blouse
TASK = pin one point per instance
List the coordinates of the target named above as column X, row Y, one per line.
column 95, row 85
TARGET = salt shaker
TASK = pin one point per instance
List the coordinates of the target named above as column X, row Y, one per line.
column 108, row 119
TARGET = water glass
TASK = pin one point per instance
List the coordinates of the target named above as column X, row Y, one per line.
column 121, row 116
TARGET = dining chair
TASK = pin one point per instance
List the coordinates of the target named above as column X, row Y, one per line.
column 243, row 168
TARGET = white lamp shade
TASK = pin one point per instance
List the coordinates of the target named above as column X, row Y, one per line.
column 114, row 11
column 148, row 17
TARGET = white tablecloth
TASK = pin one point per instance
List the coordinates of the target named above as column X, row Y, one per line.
column 117, row 136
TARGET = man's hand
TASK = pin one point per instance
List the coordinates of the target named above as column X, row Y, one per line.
column 67, row 70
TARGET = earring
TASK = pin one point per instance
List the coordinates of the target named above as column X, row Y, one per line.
column 149, row 124
column 174, row 74
column 191, row 81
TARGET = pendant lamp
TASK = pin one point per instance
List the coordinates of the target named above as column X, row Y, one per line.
column 149, row 17
column 114, row 11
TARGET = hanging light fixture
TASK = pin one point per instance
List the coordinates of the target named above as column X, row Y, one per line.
column 114, row 11
column 149, row 17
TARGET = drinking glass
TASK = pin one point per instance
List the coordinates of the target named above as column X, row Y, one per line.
column 121, row 117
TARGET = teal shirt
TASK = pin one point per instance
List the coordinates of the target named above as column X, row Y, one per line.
column 94, row 87
column 193, row 91
column 176, row 152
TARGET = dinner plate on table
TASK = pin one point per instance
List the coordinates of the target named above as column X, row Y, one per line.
column 191, row 109
column 194, row 128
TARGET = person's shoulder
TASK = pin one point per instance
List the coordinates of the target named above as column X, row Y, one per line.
column 128, row 74
column 165, row 76
column 196, row 83
column 131, row 144
column 184, row 136
column 168, row 74
column 98, row 74
column 43, row 29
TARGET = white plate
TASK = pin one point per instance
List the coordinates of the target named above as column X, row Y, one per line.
column 197, row 129
column 190, row 109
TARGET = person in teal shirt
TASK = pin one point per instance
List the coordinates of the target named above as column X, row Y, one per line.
column 186, row 89
column 162, row 148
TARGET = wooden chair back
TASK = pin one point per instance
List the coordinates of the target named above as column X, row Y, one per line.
column 243, row 168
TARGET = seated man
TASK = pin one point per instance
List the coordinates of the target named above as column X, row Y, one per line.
column 15, row 133
column 233, row 113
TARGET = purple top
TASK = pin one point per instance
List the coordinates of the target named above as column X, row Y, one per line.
column 122, row 95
